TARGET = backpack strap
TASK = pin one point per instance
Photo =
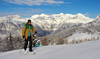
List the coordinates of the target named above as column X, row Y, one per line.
column 25, row 27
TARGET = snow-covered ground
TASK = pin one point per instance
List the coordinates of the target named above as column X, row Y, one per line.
column 87, row 50
column 82, row 36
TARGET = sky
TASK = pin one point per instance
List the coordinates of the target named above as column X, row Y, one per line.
column 27, row 8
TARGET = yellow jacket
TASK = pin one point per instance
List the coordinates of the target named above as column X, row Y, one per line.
column 25, row 31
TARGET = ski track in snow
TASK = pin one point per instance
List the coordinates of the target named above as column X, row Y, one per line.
column 86, row 50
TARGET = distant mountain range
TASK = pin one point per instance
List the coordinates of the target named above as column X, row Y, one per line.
column 47, row 24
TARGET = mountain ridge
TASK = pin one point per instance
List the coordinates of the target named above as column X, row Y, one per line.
column 47, row 23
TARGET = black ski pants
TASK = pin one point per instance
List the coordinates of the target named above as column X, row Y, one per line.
column 30, row 43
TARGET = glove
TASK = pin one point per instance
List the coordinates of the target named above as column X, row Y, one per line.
column 33, row 39
column 23, row 36
column 35, row 32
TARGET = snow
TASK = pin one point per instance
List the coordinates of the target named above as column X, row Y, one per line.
column 82, row 36
column 47, row 22
column 2, row 36
column 87, row 50
column 98, row 16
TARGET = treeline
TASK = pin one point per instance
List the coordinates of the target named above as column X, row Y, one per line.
column 60, row 41
column 10, row 43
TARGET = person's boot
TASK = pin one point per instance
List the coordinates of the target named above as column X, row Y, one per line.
column 31, row 52
column 25, row 52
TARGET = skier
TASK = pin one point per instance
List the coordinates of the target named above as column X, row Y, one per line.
column 27, row 34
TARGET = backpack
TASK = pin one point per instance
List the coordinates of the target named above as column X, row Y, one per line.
column 26, row 24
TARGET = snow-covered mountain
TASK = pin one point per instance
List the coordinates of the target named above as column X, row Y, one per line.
column 94, row 25
column 56, row 21
column 45, row 24
column 59, row 26
column 80, row 31
column 87, row 50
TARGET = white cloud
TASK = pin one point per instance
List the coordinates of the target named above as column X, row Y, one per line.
column 23, row 12
column 28, row 10
column 54, row 2
column 34, row 2
column 31, row 10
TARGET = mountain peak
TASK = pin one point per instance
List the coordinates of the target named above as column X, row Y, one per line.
column 98, row 16
column 61, row 13
column 79, row 14
column 43, row 15
column 35, row 16
column 13, row 16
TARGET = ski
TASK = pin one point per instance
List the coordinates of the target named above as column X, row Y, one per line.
column 25, row 53
column 33, row 53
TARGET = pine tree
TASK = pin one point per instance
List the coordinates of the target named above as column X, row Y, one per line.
column 0, row 45
column 0, row 42
column 10, row 42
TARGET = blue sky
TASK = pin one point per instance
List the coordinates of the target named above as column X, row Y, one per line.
column 27, row 8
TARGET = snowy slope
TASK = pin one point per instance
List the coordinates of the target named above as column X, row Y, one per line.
column 87, row 50
column 82, row 36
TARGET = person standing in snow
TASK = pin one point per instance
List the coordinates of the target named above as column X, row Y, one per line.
column 27, row 34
